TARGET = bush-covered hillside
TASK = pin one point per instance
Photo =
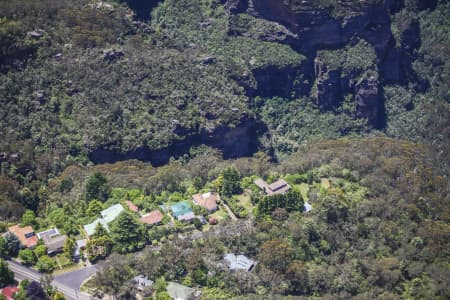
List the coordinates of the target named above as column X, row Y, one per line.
column 83, row 82
column 378, row 229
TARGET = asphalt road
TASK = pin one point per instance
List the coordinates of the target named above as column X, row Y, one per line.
column 74, row 279
column 68, row 284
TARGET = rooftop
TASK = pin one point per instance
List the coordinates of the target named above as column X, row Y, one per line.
column 261, row 184
column 152, row 217
column 180, row 208
column 186, row 217
column 90, row 228
column 48, row 233
column 54, row 243
column 25, row 235
column 240, row 262
column 131, row 206
column 278, row 187
column 80, row 244
column 178, row 291
column 142, row 281
column 112, row 212
column 207, row 200
column 9, row 292
column 108, row 215
column 280, row 183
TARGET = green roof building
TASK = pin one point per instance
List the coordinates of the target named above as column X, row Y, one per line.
column 180, row 208
column 108, row 215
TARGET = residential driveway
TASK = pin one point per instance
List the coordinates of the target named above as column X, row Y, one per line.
column 75, row 279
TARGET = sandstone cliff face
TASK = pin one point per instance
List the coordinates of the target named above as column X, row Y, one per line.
column 233, row 142
column 314, row 28
column 368, row 101
column 328, row 86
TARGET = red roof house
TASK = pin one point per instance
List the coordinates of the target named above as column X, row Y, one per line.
column 131, row 206
column 207, row 200
column 25, row 235
column 153, row 217
column 9, row 292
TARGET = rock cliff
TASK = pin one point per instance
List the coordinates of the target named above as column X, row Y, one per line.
column 232, row 142
column 313, row 27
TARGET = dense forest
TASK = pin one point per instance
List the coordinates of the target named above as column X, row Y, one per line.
column 154, row 101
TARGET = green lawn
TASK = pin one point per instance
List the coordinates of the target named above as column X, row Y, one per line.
column 219, row 214
column 304, row 189
column 244, row 200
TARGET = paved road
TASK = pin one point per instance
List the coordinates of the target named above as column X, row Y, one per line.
column 74, row 279
column 21, row 272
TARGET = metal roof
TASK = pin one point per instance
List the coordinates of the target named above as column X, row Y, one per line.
column 180, row 208
column 108, row 215
column 240, row 262
column 178, row 291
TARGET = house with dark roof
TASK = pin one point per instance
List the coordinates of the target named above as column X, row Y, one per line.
column 53, row 240
column 152, row 218
column 206, row 200
column 278, row 187
column 25, row 235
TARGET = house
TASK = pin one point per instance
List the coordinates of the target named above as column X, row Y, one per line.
column 80, row 245
column 25, row 235
column 53, row 240
column 182, row 211
column 278, row 187
column 9, row 292
column 131, row 206
column 179, row 292
column 207, row 201
column 142, row 282
column 186, row 217
column 239, row 262
column 108, row 215
column 152, row 218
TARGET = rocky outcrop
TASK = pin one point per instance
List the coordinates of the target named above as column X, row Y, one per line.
column 316, row 28
column 233, row 142
column 280, row 81
column 368, row 100
column 328, row 86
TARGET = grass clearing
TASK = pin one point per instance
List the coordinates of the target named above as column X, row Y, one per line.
column 244, row 200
